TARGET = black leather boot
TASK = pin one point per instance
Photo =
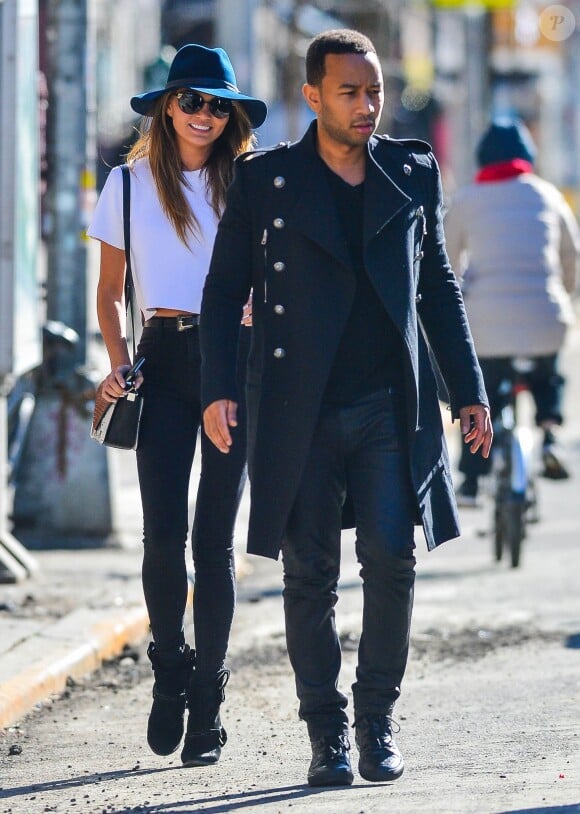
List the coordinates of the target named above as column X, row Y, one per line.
column 205, row 734
column 165, row 725
column 379, row 757
column 330, row 764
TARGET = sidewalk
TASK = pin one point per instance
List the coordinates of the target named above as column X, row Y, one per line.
column 489, row 711
column 84, row 605
column 81, row 607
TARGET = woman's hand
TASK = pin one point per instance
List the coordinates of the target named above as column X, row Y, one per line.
column 114, row 384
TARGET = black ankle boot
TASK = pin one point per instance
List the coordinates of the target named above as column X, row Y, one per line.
column 205, row 734
column 379, row 757
column 330, row 764
column 165, row 725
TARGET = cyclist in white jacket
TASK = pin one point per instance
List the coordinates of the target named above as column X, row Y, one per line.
column 514, row 243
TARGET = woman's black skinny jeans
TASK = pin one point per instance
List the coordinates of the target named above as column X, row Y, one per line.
column 170, row 423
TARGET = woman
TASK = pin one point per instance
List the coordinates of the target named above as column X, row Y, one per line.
column 180, row 168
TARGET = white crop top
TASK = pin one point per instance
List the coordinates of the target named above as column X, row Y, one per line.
column 166, row 273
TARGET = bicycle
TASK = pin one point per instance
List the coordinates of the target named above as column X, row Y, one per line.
column 514, row 490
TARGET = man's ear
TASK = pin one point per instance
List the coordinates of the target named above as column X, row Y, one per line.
column 311, row 95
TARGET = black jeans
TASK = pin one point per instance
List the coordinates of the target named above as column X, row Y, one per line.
column 359, row 449
column 170, row 424
column 546, row 384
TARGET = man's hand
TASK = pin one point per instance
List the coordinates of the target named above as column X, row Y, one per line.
column 475, row 423
column 217, row 420
column 247, row 313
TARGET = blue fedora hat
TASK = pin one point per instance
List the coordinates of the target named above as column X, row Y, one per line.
column 207, row 70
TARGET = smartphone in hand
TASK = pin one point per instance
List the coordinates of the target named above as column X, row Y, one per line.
column 131, row 374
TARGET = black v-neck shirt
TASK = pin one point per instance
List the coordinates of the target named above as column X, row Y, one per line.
column 369, row 355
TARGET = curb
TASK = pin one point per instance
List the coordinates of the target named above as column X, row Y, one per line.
column 76, row 646
column 97, row 641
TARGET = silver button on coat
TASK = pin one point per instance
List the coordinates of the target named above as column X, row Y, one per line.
column 279, row 181
column 279, row 309
column 279, row 265
column 278, row 223
column 279, row 353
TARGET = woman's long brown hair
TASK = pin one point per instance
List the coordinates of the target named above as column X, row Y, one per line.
column 157, row 142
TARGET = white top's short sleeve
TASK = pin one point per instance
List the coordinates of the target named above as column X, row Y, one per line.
column 167, row 274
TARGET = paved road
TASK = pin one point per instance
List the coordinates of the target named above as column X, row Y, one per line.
column 490, row 714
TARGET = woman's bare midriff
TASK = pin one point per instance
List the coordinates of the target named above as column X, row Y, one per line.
column 170, row 312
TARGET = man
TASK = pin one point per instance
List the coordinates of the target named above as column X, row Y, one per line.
column 340, row 237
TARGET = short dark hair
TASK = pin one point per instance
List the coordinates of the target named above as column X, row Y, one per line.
column 336, row 41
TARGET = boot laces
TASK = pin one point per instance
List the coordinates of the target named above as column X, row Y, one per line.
column 381, row 729
column 335, row 747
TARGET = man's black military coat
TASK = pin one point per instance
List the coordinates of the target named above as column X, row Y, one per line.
column 280, row 236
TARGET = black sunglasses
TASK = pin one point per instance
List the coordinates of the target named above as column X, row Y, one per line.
column 191, row 102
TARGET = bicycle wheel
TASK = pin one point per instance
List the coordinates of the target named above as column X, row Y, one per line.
column 498, row 532
column 532, row 503
column 515, row 529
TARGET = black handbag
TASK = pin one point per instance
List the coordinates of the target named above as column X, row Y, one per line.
column 117, row 424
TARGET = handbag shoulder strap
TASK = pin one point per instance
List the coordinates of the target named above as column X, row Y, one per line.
column 129, row 288
column 127, row 228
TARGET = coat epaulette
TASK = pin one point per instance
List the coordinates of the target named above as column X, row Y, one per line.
column 413, row 144
column 262, row 151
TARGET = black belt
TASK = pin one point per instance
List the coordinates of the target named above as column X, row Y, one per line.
column 179, row 323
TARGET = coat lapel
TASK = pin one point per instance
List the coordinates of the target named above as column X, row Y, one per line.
column 383, row 198
column 314, row 211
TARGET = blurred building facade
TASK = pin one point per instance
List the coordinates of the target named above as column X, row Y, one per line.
column 449, row 65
